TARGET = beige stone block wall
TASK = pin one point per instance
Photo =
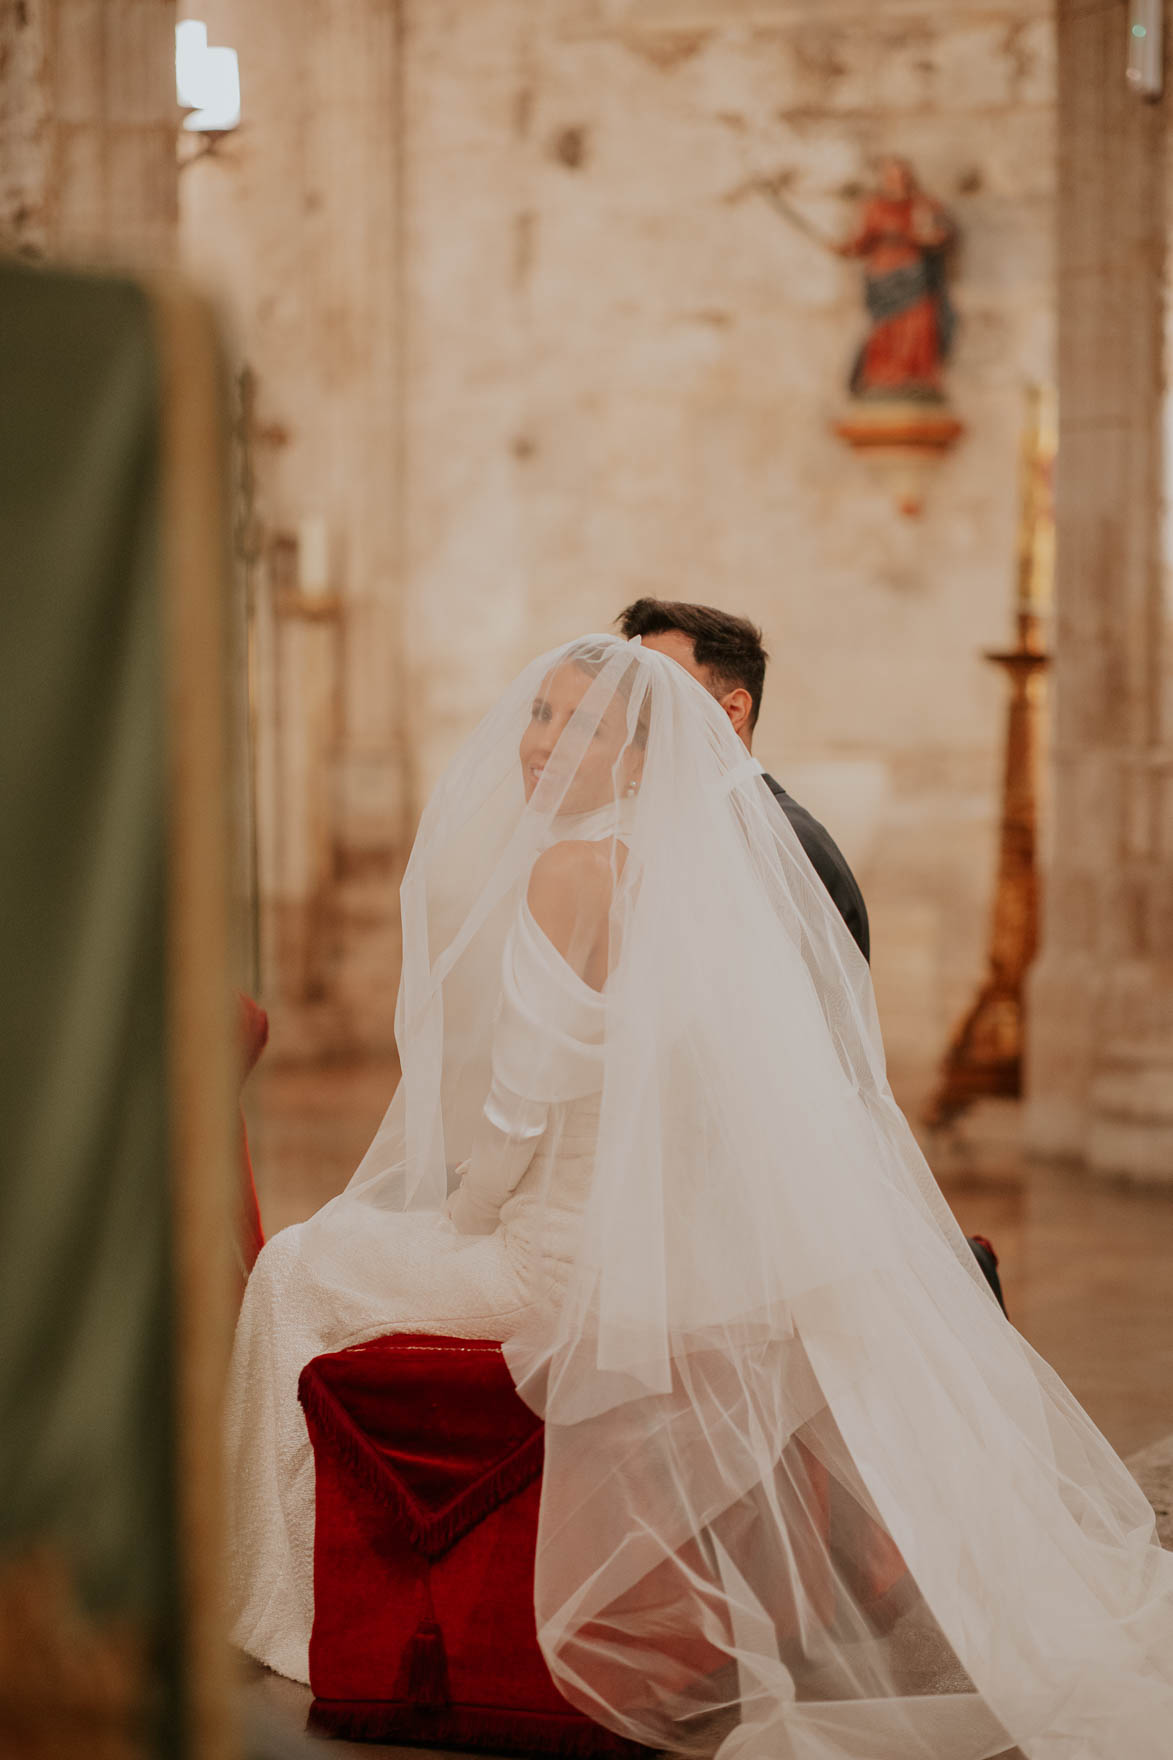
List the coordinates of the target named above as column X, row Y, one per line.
column 88, row 119
column 293, row 222
column 521, row 348
column 622, row 381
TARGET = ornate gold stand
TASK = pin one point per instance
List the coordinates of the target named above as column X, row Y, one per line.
column 985, row 1053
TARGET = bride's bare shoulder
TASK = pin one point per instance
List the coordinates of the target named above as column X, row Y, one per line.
column 570, row 889
column 582, row 869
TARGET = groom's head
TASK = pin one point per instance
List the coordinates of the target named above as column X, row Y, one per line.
column 724, row 652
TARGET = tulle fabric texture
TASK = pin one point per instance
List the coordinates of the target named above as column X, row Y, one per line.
column 807, row 1493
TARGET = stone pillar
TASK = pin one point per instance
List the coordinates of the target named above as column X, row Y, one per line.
column 88, row 122
column 1100, row 1077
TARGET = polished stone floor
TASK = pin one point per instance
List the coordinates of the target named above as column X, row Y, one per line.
column 1087, row 1270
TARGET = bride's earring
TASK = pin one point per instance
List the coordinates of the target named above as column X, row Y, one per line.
column 630, row 788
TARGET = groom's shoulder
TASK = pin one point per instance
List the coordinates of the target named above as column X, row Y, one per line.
column 800, row 817
column 804, row 822
column 828, row 861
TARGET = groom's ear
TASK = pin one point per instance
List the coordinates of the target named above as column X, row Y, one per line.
column 738, row 705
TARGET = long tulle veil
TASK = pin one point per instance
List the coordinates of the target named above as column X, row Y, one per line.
column 806, row 1492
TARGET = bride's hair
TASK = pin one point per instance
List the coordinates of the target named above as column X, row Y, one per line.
column 590, row 656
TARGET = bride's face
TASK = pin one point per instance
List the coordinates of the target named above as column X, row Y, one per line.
column 605, row 770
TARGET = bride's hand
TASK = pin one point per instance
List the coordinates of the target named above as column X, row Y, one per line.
column 466, row 1211
column 446, row 1207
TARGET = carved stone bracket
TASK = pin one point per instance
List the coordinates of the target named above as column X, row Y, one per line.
column 903, row 441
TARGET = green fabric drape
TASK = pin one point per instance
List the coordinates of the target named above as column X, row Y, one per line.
column 86, row 1331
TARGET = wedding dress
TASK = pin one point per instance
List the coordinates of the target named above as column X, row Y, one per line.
column 321, row 1286
column 807, row 1494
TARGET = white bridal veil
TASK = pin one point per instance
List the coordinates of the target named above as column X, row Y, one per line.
column 807, row 1493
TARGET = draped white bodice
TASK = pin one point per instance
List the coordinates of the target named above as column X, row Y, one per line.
column 547, row 1053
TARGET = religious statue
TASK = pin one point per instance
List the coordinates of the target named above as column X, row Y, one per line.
column 902, row 238
column 898, row 415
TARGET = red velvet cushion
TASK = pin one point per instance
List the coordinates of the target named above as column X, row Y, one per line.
column 428, row 1482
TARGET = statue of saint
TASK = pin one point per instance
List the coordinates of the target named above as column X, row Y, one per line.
column 898, row 412
column 902, row 238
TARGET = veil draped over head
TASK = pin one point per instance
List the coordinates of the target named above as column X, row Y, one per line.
column 806, row 1492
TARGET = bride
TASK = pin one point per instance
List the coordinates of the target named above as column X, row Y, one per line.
column 806, row 1492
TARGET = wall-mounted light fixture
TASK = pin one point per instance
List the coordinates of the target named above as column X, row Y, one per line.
column 207, row 81
column 1146, row 48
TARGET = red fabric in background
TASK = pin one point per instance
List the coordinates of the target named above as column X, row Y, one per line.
column 428, row 1472
column 252, row 1029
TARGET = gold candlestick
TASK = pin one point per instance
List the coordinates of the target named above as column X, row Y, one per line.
column 985, row 1052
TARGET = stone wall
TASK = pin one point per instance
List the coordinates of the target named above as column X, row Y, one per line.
column 294, row 220
column 1101, row 1066
column 87, row 130
column 622, row 380
column 525, row 347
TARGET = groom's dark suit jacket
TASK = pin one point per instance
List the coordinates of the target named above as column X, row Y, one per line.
column 829, row 863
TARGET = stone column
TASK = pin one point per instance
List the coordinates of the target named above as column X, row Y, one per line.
column 1100, row 1077
column 88, row 122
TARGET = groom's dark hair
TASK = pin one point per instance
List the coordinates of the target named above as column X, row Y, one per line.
column 729, row 648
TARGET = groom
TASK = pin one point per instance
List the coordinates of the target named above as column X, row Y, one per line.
column 725, row 654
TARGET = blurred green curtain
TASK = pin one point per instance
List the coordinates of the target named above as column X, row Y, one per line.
column 86, row 1300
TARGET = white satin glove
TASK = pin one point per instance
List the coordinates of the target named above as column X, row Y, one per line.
column 468, row 1211
column 510, row 1131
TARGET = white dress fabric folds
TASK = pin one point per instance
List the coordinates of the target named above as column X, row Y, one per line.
column 340, row 1278
column 807, row 1494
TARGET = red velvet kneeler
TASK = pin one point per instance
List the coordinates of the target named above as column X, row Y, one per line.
column 428, row 1478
